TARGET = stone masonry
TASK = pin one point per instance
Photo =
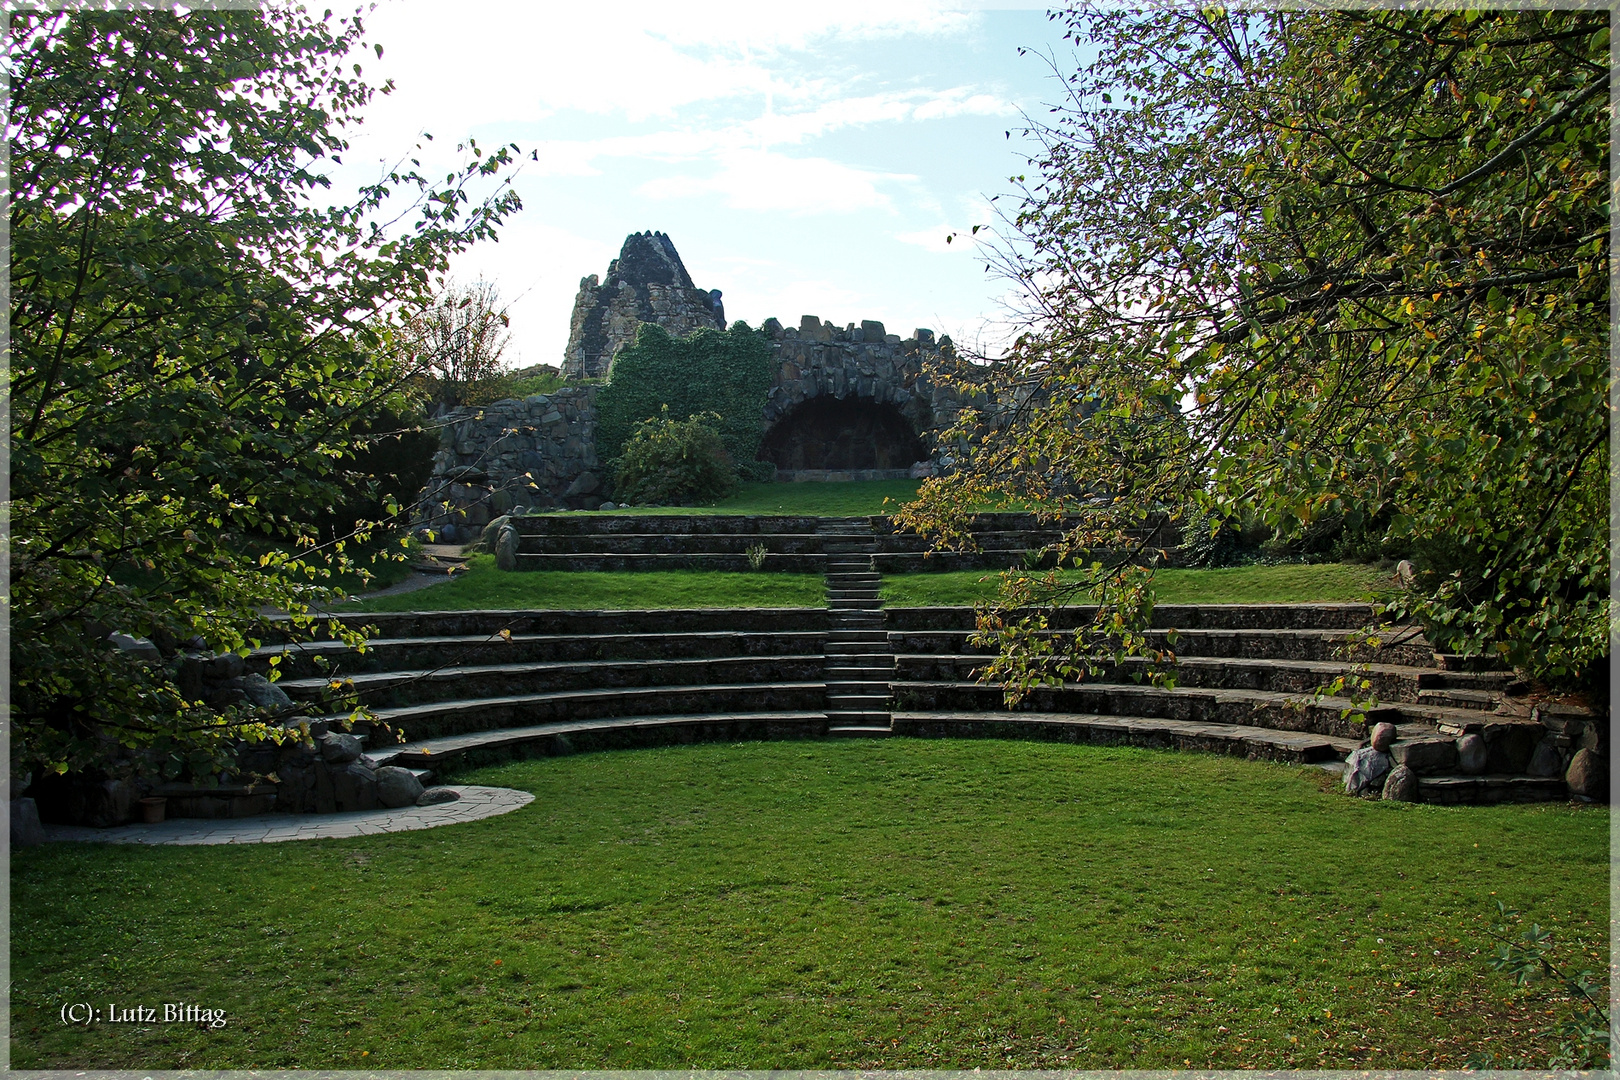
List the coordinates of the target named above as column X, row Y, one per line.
column 540, row 452
column 646, row 283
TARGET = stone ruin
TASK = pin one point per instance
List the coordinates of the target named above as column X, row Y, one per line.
column 646, row 283
column 846, row 403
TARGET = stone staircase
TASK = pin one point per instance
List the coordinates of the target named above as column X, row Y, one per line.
column 859, row 663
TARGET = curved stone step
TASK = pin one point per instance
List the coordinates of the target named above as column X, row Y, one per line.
column 398, row 624
column 386, row 689
column 1324, row 616
column 1247, row 708
column 1256, row 743
column 1266, row 644
column 443, row 718
column 1391, row 683
column 627, row 543
column 1486, row 789
column 810, row 563
column 751, row 525
column 564, row 737
column 438, row 651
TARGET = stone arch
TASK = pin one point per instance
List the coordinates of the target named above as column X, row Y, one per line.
column 828, row 432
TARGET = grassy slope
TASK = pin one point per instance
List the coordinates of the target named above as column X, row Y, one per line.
column 816, row 904
column 484, row 587
column 1233, row 585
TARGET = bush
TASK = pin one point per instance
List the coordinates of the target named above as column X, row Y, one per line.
column 674, row 461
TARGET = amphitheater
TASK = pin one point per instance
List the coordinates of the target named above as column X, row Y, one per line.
column 447, row 691
column 468, row 688
column 473, row 687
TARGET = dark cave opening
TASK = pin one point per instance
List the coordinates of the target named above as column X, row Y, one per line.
column 849, row 433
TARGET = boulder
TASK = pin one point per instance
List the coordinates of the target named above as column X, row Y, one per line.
column 1401, row 785
column 263, row 693
column 338, row 748
column 1548, row 759
column 1472, row 754
column 1383, row 736
column 1425, row 755
column 1588, row 775
column 1367, row 769
column 397, row 787
column 506, row 548
column 140, row 648
column 354, row 787
column 226, row 666
column 433, row 796
column 583, row 484
column 26, row 830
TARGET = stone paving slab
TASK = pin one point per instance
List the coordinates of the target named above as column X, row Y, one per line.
column 475, row 804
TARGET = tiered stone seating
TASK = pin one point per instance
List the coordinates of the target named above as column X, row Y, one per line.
column 471, row 687
column 1244, row 685
column 465, row 687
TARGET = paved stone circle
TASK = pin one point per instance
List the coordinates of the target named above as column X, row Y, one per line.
column 475, row 804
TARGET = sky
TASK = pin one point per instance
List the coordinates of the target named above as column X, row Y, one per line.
column 802, row 160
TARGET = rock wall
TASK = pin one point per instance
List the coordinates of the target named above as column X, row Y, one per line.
column 818, row 359
column 646, row 283
column 538, row 452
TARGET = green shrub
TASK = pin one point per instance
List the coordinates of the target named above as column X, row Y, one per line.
column 674, row 461
column 725, row 373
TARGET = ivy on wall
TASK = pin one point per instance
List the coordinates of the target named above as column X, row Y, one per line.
column 727, row 372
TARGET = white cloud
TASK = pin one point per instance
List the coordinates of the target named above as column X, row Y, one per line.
column 933, row 239
column 762, row 180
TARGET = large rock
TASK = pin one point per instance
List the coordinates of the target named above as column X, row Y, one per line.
column 226, row 666
column 583, row 484
column 140, row 648
column 338, row 748
column 1472, row 754
column 397, row 787
column 26, row 830
column 263, row 693
column 1401, row 785
column 1588, row 775
column 1383, row 737
column 354, row 787
column 1548, row 759
column 1426, row 755
column 506, row 548
column 433, row 796
column 1368, row 767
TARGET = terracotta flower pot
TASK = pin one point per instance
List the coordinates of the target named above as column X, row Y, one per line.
column 152, row 809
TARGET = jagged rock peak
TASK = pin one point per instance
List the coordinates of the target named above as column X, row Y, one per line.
column 649, row 258
column 647, row 283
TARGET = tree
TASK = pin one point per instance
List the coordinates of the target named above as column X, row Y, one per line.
column 1307, row 267
column 459, row 340
column 197, row 344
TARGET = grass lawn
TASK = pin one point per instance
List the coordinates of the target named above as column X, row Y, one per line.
column 895, row 904
column 846, row 499
column 482, row 586
column 1294, row 583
